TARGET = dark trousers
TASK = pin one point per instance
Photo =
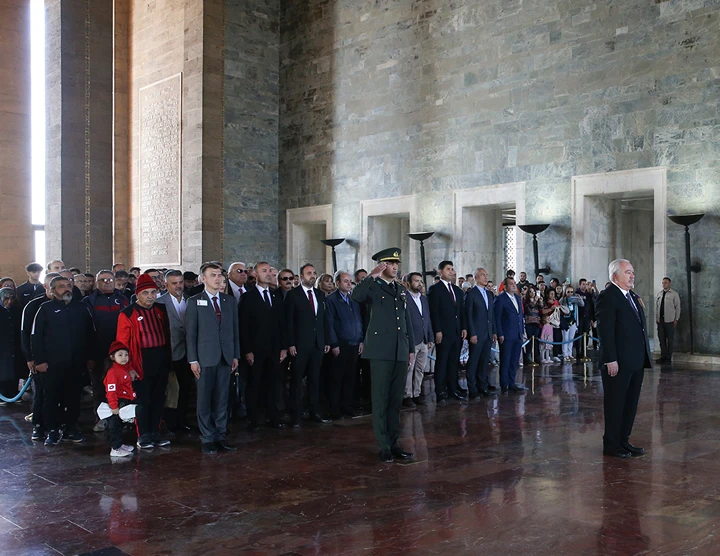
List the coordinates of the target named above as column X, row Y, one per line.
column 97, row 378
column 307, row 363
column 363, row 380
column 557, row 337
column 263, row 382
column 446, row 364
column 509, row 361
column 9, row 388
column 666, row 336
column 186, row 384
column 115, row 426
column 533, row 330
column 237, row 394
column 62, row 391
column 151, row 392
column 38, row 400
column 342, row 380
column 388, row 386
column 622, row 393
column 478, row 365
column 212, row 402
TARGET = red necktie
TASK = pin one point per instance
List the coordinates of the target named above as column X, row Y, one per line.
column 218, row 314
column 452, row 293
column 312, row 301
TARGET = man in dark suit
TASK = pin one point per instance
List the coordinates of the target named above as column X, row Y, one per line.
column 308, row 336
column 390, row 347
column 346, row 342
column 625, row 353
column 481, row 333
column 509, row 327
column 447, row 313
column 263, row 346
column 419, row 311
column 213, row 350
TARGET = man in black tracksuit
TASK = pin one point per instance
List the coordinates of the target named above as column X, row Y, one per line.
column 28, row 317
column 62, row 334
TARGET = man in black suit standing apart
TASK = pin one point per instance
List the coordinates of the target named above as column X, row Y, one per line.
column 625, row 352
column 447, row 314
column 481, row 333
column 263, row 346
column 213, row 350
column 308, row 337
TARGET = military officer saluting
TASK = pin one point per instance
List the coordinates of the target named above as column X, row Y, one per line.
column 390, row 348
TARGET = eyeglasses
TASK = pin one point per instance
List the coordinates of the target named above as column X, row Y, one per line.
column 106, row 280
column 241, row 271
column 286, row 278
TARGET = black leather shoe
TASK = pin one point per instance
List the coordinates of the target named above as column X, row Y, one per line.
column 398, row 453
column 420, row 400
column 617, row 453
column 295, row 424
column 441, row 396
column 409, row 403
column 385, row 456
column 463, row 391
column 459, row 396
column 634, row 450
column 503, row 390
column 209, row 448
column 315, row 418
column 223, row 446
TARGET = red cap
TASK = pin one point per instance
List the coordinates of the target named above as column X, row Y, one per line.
column 145, row 282
column 117, row 346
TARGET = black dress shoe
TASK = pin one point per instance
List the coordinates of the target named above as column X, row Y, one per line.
column 503, row 390
column 420, row 400
column 295, row 424
column 209, row 448
column 463, row 391
column 398, row 453
column 617, row 453
column 409, row 403
column 459, row 396
column 315, row 418
column 441, row 396
column 634, row 450
column 385, row 456
column 223, row 446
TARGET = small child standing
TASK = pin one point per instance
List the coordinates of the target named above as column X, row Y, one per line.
column 119, row 392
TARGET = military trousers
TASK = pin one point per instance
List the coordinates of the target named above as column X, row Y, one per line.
column 388, row 386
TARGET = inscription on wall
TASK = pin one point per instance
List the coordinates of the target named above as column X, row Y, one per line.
column 159, row 203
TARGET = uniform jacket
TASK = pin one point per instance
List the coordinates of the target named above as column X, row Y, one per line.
column 623, row 333
column 210, row 342
column 177, row 327
column 118, row 385
column 389, row 333
column 62, row 334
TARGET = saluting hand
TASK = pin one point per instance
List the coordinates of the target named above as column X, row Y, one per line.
column 377, row 271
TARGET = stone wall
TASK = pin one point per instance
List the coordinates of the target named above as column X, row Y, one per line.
column 381, row 99
column 252, row 40
column 16, row 241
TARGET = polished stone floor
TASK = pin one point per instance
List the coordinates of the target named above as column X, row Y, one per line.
column 519, row 474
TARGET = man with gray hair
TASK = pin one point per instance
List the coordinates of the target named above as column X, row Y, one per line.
column 237, row 278
column 625, row 353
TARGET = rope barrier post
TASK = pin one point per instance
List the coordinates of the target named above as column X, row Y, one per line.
column 585, row 358
column 533, row 363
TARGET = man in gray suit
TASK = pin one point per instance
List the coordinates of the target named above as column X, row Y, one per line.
column 419, row 311
column 180, row 378
column 481, row 334
column 213, row 349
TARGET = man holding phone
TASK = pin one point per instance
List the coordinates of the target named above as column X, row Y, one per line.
column 586, row 310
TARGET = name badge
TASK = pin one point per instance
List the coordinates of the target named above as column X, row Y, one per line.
column 202, row 303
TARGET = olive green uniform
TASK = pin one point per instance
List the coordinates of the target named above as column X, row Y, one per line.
column 388, row 344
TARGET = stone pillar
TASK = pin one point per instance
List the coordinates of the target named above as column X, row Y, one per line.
column 79, row 106
column 16, row 240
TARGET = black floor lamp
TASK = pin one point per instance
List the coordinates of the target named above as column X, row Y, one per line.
column 332, row 243
column 421, row 237
column 688, row 220
column 536, row 229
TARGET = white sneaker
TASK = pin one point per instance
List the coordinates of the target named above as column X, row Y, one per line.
column 119, row 453
column 127, row 448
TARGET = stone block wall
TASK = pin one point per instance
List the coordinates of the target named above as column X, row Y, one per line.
column 380, row 99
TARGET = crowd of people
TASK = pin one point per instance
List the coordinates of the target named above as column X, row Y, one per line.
column 255, row 343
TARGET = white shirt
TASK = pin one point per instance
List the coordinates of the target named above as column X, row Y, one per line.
column 312, row 292
column 625, row 294
column 179, row 306
column 448, row 286
column 237, row 291
column 211, row 300
column 262, row 293
column 514, row 301
column 417, row 300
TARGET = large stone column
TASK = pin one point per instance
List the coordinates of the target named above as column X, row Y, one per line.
column 16, row 239
column 79, row 102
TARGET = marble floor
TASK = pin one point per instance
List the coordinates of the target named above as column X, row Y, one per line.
column 518, row 474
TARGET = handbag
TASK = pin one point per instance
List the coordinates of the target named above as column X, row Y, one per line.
column 554, row 319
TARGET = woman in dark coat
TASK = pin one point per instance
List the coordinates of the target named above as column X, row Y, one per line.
column 8, row 355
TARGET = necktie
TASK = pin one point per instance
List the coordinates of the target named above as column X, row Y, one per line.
column 312, row 301
column 218, row 314
column 632, row 304
column 452, row 293
column 484, row 294
column 267, row 298
column 662, row 308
